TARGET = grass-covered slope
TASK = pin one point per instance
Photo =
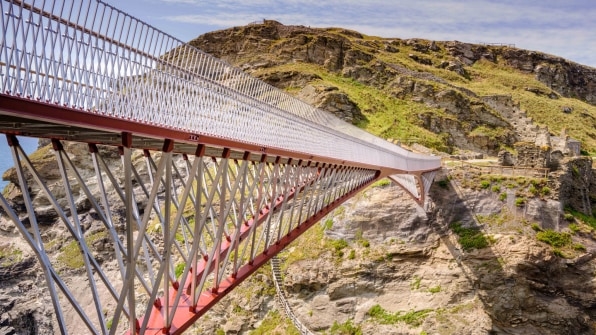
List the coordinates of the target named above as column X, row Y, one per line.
column 419, row 90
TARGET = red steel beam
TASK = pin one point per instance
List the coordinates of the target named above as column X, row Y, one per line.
column 186, row 314
column 68, row 116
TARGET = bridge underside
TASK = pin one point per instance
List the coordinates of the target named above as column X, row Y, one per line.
column 221, row 213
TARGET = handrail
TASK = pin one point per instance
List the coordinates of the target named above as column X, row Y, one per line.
column 282, row 299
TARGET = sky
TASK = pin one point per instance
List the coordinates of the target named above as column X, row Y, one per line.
column 561, row 28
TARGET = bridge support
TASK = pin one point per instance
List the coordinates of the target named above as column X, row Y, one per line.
column 190, row 229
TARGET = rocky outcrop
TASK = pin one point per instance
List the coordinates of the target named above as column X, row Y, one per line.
column 330, row 99
column 516, row 285
column 262, row 46
column 562, row 76
column 273, row 52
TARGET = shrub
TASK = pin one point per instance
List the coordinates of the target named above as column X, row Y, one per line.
column 496, row 189
column 519, row 202
column 574, row 228
column 469, row 238
column 352, row 254
column 443, row 183
column 545, row 191
column 338, row 246
column 536, row 227
column 503, row 196
column 553, row 238
column 559, row 253
column 587, row 219
column 382, row 183
column 484, row 184
column 579, row 247
column 569, row 217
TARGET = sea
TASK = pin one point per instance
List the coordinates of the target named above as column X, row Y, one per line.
column 29, row 144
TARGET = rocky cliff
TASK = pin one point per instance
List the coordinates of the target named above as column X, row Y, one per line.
column 440, row 93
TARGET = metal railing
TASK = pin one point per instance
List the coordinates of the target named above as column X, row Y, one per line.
column 90, row 56
column 281, row 297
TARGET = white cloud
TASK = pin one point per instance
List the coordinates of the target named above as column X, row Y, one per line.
column 561, row 28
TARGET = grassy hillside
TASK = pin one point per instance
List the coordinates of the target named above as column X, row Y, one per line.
column 399, row 85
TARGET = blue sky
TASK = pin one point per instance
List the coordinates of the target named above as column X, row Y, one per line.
column 562, row 28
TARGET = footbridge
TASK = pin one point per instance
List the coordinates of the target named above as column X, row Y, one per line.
column 216, row 171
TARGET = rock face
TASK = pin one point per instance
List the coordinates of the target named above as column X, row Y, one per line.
column 516, row 285
column 578, row 185
column 330, row 99
column 562, row 76
column 25, row 307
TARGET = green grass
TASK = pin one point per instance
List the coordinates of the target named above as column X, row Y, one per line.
column 495, row 219
column 435, row 289
column 352, row 254
column 469, row 238
column 412, row 318
column 275, row 324
column 415, row 284
column 391, row 117
column 338, row 246
column 491, row 78
column 590, row 220
column 381, row 183
column 386, row 116
column 10, row 256
column 70, row 254
column 179, row 269
column 520, row 202
column 328, row 224
column 553, row 238
column 346, row 328
column 311, row 244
